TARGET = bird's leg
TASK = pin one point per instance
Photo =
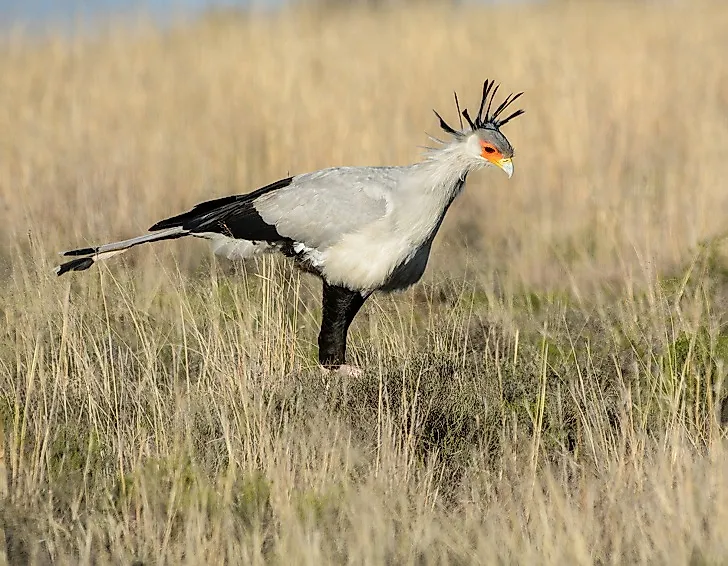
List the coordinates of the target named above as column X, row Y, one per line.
column 340, row 306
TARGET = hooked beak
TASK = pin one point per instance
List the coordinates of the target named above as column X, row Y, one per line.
column 506, row 164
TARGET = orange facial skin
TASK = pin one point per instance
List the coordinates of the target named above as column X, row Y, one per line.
column 489, row 152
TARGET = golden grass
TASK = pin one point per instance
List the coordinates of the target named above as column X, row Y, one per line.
column 550, row 394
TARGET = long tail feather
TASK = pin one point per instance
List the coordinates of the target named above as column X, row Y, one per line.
column 92, row 255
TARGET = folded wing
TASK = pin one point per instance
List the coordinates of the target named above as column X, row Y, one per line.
column 318, row 209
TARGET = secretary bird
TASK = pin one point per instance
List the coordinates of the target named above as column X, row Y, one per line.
column 360, row 229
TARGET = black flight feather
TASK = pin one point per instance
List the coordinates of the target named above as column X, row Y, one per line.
column 233, row 216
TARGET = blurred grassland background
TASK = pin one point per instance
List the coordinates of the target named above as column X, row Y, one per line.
column 551, row 393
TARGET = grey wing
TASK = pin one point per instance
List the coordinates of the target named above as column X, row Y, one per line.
column 319, row 208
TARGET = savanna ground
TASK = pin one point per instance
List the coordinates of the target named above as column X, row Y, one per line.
column 552, row 393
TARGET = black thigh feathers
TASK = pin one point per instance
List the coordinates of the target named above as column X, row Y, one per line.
column 339, row 308
column 233, row 216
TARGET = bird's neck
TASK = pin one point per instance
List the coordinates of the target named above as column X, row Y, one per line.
column 434, row 184
column 444, row 171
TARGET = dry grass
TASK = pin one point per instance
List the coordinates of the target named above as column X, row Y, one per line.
column 550, row 394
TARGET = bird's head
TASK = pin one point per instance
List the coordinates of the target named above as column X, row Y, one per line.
column 483, row 140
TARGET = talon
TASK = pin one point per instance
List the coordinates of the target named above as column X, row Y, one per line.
column 344, row 370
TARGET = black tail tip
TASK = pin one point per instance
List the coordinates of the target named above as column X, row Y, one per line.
column 79, row 264
column 82, row 251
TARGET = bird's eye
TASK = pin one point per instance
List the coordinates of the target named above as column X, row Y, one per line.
column 489, row 149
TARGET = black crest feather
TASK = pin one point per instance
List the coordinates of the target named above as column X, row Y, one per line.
column 485, row 119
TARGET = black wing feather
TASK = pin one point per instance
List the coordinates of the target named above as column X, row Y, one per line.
column 233, row 216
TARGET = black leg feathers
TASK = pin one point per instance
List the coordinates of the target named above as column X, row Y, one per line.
column 340, row 306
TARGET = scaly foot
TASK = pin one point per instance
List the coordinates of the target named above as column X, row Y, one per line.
column 344, row 370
